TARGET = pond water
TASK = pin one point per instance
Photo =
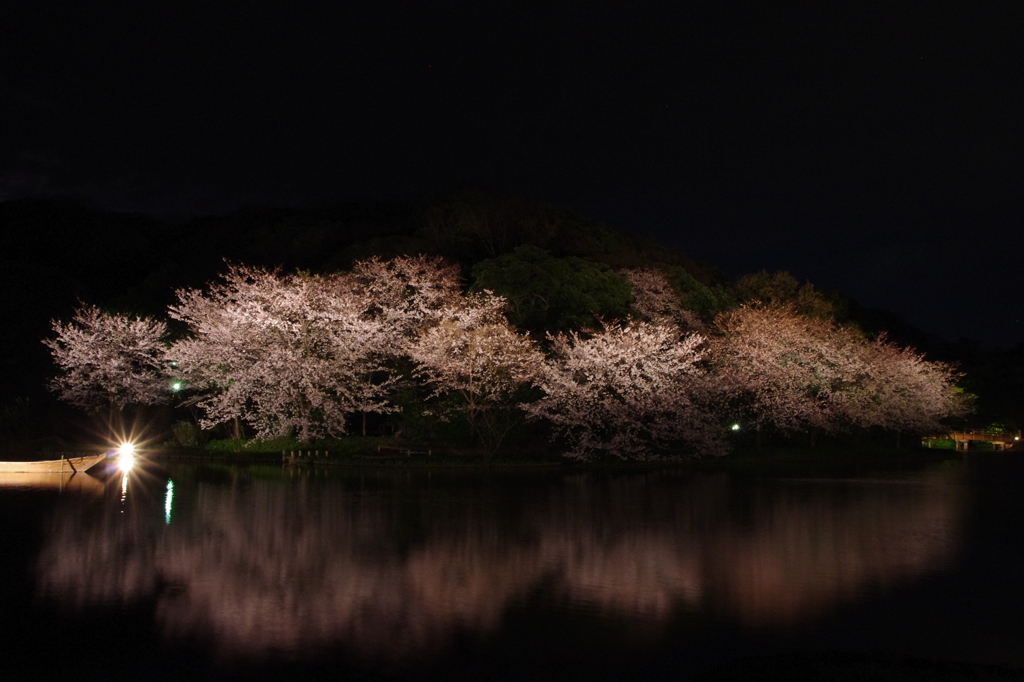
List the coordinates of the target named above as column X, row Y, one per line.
column 204, row 572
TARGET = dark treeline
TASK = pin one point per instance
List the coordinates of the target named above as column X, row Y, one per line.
column 555, row 268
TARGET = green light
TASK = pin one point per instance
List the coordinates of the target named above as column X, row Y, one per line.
column 168, row 501
column 735, row 427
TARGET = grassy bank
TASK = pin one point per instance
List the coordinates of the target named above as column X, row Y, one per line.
column 353, row 451
column 384, row 451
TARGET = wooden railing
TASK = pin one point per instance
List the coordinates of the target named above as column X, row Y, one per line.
column 1000, row 439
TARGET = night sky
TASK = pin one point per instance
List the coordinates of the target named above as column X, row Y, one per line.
column 877, row 150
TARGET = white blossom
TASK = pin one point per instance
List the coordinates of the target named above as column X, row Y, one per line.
column 628, row 390
column 407, row 293
column 474, row 353
column 785, row 369
column 109, row 360
column 902, row 391
column 655, row 299
column 283, row 353
column 796, row 371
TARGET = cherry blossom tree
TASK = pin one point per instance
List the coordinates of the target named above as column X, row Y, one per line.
column 902, row 391
column 285, row 354
column 628, row 390
column 407, row 293
column 656, row 300
column 109, row 360
column 795, row 371
column 474, row 354
column 785, row 369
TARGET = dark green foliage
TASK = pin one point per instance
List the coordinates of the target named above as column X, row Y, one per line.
column 549, row 294
column 318, row 241
column 442, row 424
column 997, row 378
column 782, row 289
column 468, row 226
column 576, row 236
column 471, row 225
column 328, row 449
column 706, row 301
column 187, row 434
column 16, row 419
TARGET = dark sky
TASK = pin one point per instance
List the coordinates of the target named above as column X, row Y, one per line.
column 878, row 149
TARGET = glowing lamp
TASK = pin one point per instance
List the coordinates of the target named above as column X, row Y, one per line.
column 126, row 457
column 176, row 386
column 735, row 427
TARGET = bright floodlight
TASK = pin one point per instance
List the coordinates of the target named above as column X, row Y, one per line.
column 735, row 427
column 176, row 386
column 126, row 457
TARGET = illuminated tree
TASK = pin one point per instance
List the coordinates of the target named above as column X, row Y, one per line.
column 902, row 391
column 406, row 293
column 474, row 354
column 785, row 369
column 655, row 299
column 109, row 360
column 627, row 390
column 283, row 353
column 794, row 371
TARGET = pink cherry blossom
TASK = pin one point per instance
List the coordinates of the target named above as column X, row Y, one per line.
column 109, row 360
column 628, row 390
column 293, row 353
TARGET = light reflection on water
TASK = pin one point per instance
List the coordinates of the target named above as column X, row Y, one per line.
column 396, row 567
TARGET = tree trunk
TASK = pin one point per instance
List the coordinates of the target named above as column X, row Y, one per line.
column 115, row 423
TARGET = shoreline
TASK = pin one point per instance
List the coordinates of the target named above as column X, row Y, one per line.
column 744, row 460
column 410, row 456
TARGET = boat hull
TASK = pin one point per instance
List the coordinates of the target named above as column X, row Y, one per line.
column 63, row 483
column 53, row 466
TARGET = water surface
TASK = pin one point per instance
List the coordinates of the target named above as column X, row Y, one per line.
column 222, row 573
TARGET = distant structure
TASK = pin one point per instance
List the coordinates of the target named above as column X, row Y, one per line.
column 962, row 439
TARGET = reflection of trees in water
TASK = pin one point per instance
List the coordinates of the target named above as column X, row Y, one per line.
column 812, row 544
column 272, row 565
